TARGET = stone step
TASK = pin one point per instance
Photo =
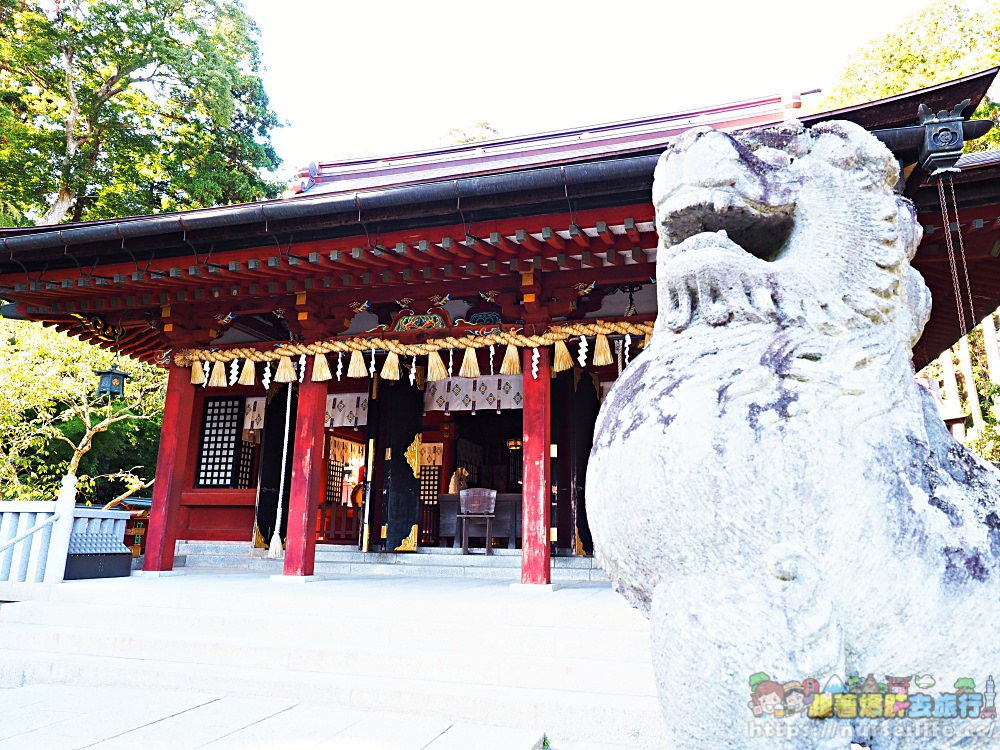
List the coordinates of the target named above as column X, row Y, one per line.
column 578, row 644
column 332, row 560
column 581, row 716
column 363, row 600
column 432, row 661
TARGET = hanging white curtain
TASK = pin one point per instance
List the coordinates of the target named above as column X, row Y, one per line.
column 346, row 410
column 469, row 394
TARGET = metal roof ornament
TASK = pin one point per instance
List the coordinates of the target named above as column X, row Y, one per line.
column 944, row 138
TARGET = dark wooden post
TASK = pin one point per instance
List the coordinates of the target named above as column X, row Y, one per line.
column 535, row 556
column 172, row 469
column 447, row 451
column 307, row 478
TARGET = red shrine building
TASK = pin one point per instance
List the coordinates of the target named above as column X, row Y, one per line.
column 342, row 360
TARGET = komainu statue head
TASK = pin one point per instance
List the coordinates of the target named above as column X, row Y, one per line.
column 768, row 483
column 786, row 224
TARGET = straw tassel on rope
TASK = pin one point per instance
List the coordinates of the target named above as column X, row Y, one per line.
column 285, row 372
column 602, row 351
column 249, row 374
column 204, row 358
column 218, row 379
column 356, row 368
column 470, row 364
column 321, row 369
column 197, row 374
column 511, row 364
column 390, row 369
column 562, row 360
column 435, row 367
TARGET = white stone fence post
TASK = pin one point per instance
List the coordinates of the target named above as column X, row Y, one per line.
column 36, row 536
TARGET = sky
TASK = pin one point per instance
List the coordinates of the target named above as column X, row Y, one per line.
column 377, row 77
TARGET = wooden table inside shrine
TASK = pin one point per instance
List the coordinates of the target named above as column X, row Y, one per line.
column 506, row 522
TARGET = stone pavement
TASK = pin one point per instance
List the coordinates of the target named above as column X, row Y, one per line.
column 56, row 717
column 221, row 659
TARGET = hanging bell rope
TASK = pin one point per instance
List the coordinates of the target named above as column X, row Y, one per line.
column 276, row 550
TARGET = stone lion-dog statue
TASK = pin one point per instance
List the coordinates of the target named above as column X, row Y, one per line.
column 768, row 483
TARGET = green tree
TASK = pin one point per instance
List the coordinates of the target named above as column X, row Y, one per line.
column 945, row 40
column 52, row 423
column 122, row 107
column 965, row 685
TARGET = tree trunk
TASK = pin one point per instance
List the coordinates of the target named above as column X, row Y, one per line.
column 951, row 396
column 59, row 208
column 971, row 394
column 990, row 344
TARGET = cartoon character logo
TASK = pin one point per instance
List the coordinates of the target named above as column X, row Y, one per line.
column 796, row 701
column 767, row 697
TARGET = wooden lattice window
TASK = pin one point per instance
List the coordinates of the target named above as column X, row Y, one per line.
column 515, row 470
column 246, row 474
column 220, row 454
column 334, row 481
column 430, row 485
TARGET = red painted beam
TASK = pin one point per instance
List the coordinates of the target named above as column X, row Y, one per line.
column 307, row 478
column 535, row 555
column 171, row 470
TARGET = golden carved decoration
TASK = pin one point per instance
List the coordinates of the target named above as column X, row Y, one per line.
column 410, row 543
column 258, row 539
column 385, row 530
column 99, row 326
column 413, row 456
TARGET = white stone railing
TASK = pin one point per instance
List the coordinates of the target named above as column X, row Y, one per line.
column 25, row 537
column 35, row 537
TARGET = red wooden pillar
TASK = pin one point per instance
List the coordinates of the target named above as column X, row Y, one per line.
column 535, row 500
column 172, row 469
column 307, row 478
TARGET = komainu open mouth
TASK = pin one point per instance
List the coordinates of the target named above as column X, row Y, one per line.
column 758, row 229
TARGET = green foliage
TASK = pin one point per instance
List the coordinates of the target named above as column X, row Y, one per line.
column 984, row 442
column 479, row 131
column 122, row 107
column 947, row 39
column 965, row 684
column 48, row 406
